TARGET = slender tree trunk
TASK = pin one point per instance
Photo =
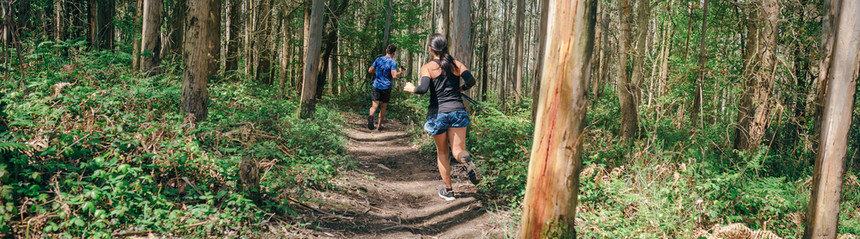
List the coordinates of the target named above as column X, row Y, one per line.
column 697, row 111
column 664, row 56
column 518, row 50
column 626, row 90
column 387, row 25
column 312, row 60
column 261, row 43
column 552, row 186
column 101, row 15
column 59, row 23
column 754, row 110
column 643, row 12
column 234, row 27
column 597, row 84
column 689, row 29
column 178, row 26
column 286, row 52
column 150, row 45
column 485, row 68
column 822, row 216
column 135, row 62
column 503, row 93
column 202, row 52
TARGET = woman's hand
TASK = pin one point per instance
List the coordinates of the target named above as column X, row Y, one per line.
column 409, row 87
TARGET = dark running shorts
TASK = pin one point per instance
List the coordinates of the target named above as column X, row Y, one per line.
column 381, row 95
column 439, row 123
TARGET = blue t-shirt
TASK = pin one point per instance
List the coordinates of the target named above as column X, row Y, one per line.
column 383, row 66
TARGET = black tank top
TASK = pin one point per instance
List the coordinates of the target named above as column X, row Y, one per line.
column 445, row 93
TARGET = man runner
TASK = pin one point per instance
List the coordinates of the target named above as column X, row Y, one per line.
column 385, row 69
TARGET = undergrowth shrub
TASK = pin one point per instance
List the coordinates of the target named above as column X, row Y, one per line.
column 95, row 151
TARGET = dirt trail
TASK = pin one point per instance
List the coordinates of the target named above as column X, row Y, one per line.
column 392, row 193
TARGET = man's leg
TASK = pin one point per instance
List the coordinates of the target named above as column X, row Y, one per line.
column 370, row 115
column 382, row 114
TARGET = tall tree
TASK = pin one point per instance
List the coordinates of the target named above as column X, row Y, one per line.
column 262, row 44
column 312, row 60
column 234, row 26
column 544, row 10
column 485, row 51
column 460, row 29
column 101, row 29
column 388, row 9
column 552, row 186
column 518, row 50
column 59, row 22
column 759, row 65
column 202, row 52
column 177, row 25
column 150, row 43
column 823, row 213
column 626, row 90
column 697, row 111
column 135, row 62
column 643, row 20
column 335, row 8
column 828, row 23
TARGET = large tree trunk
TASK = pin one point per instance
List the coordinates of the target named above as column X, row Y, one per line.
column 828, row 23
column 518, row 50
column 101, row 14
column 312, row 60
column 823, row 212
column 444, row 17
column 759, row 67
column 178, row 26
column 460, row 40
column 626, row 90
column 234, row 26
column 697, row 111
column 150, row 43
column 330, row 43
column 549, row 207
column 460, row 43
column 202, row 52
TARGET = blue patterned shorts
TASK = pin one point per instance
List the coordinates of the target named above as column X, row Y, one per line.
column 439, row 123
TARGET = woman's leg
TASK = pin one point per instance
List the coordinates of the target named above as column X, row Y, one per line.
column 458, row 142
column 442, row 160
column 458, row 147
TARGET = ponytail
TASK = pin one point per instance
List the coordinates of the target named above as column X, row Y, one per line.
column 439, row 45
column 446, row 61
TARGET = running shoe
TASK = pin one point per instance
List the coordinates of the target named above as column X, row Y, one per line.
column 370, row 122
column 446, row 194
column 471, row 170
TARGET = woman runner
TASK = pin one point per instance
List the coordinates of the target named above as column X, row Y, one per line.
column 446, row 117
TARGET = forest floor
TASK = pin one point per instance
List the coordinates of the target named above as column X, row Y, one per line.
column 392, row 193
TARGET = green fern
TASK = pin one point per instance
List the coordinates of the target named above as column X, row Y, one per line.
column 8, row 147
